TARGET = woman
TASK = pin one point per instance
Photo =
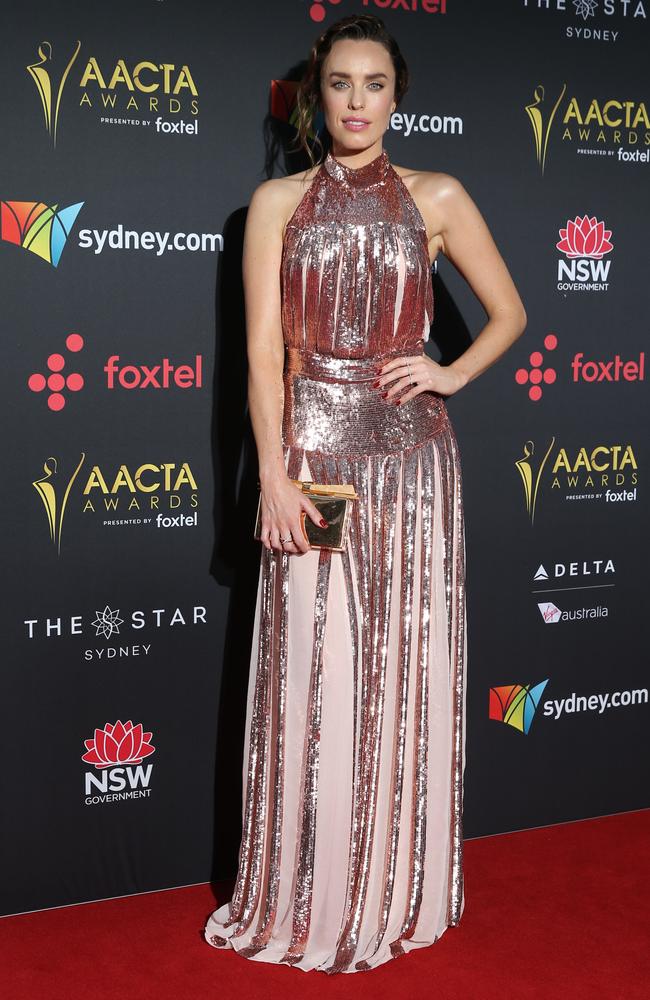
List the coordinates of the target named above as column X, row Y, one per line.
column 351, row 850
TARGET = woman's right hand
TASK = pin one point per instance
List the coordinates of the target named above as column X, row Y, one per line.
column 282, row 505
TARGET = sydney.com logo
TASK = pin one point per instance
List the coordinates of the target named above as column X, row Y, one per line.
column 516, row 704
column 41, row 229
column 44, row 229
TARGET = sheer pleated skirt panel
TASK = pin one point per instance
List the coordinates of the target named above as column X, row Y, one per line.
column 354, row 754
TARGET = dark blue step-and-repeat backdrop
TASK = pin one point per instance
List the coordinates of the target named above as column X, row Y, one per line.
column 133, row 134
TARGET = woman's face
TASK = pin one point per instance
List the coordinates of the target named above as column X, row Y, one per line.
column 357, row 88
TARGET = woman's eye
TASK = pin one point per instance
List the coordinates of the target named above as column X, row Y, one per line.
column 374, row 84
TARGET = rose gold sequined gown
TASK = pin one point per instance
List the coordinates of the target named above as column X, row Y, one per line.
column 352, row 849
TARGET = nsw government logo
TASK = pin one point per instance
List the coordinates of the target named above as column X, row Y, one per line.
column 584, row 242
column 117, row 751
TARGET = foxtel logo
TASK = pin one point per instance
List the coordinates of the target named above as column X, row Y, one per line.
column 616, row 370
column 160, row 376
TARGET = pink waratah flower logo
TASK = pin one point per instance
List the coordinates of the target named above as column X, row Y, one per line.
column 120, row 743
column 585, row 237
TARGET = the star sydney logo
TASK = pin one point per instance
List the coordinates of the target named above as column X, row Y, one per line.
column 107, row 622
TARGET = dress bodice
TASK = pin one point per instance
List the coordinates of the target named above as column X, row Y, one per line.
column 355, row 271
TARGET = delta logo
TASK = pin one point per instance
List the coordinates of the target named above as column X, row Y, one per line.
column 161, row 495
column 585, row 569
column 584, row 242
column 516, row 704
column 117, row 751
column 616, row 127
column 590, row 371
column 607, row 473
column 319, row 9
column 117, row 92
column 42, row 229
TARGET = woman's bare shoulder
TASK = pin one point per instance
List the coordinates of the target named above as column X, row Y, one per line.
column 433, row 184
column 279, row 197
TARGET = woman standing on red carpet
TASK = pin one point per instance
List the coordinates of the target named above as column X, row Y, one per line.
column 351, row 849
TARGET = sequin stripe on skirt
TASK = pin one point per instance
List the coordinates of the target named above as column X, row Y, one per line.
column 375, row 548
column 269, row 705
column 455, row 589
column 306, row 839
column 372, row 547
column 409, row 494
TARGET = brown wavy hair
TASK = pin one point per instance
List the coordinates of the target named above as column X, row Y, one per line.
column 308, row 96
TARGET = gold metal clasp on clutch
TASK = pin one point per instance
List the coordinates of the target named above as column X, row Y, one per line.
column 345, row 490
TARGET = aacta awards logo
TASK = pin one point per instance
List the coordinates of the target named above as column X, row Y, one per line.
column 117, row 751
column 609, row 127
column 120, row 92
column 42, row 229
column 516, row 704
column 606, row 473
column 167, row 492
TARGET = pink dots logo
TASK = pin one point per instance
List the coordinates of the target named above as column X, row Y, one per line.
column 536, row 375
column 56, row 381
column 317, row 10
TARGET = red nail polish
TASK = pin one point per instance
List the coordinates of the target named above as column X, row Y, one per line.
column 375, row 385
column 383, row 395
column 397, row 402
column 323, row 522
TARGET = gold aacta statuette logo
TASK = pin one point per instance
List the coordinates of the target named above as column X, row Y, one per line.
column 55, row 496
column 541, row 120
column 49, row 94
column 529, row 478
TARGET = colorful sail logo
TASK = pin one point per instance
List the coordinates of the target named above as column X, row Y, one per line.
column 41, row 229
column 516, row 704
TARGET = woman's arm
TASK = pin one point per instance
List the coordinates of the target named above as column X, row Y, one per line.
column 465, row 240
column 282, row 503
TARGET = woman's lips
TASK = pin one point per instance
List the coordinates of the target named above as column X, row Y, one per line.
column 355, row 125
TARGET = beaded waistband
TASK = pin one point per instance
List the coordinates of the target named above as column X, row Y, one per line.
column 329, row 368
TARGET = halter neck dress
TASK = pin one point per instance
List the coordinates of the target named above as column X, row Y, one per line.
column 352, row 847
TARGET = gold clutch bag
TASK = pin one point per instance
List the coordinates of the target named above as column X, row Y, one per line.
column 334, row 502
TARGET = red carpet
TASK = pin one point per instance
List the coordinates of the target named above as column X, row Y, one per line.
column 558, row 912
